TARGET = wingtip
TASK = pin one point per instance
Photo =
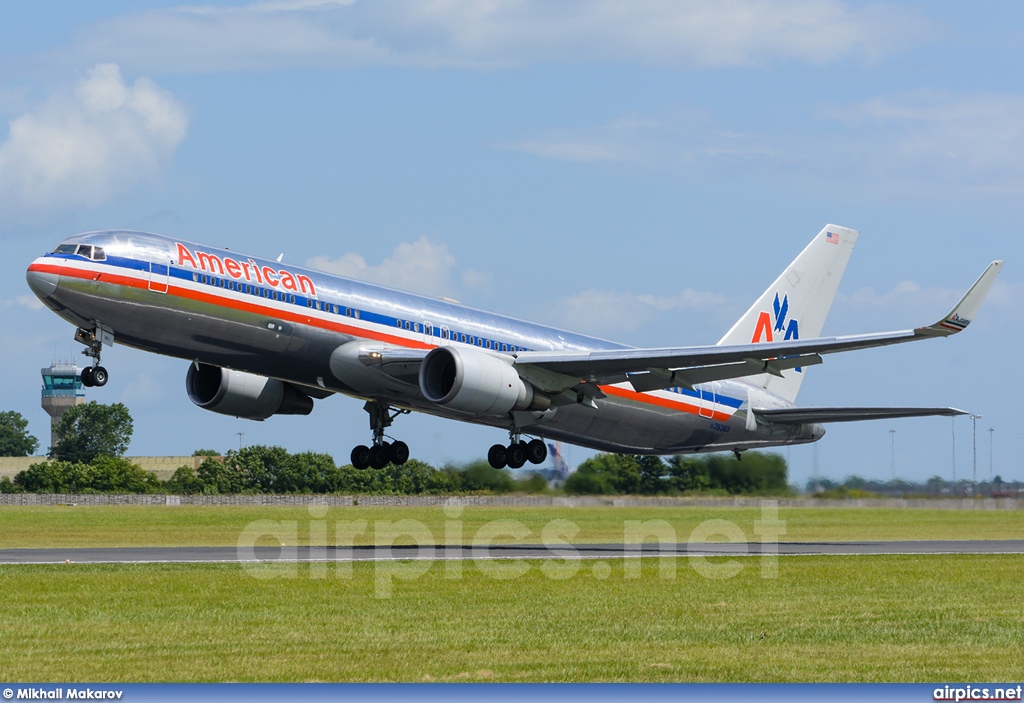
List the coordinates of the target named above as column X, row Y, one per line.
column 964, row 311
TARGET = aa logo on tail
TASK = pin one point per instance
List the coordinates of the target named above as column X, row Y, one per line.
column 766, row 328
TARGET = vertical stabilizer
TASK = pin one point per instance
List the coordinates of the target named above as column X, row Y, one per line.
column 795, row 306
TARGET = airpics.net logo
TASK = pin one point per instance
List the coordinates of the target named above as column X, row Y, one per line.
column 407, row 549
column 974, row 692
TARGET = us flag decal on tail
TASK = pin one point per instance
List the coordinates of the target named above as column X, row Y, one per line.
column 832, row 237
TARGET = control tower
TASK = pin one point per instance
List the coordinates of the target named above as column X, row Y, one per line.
column 62, row 389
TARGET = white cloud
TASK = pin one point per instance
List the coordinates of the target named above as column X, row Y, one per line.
column 684, row 139
column 908, row 144
column 869, row 297
column 85, row 147
column 611, row 312
column 29, row 301
column 423, row 266
column 972, row 140
column 497, row 33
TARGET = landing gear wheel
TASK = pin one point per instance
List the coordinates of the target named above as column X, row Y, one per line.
column 398, row 454
column 536, row 451
column 87, row 377
column 379, row 455
column 496, row 456
column 361, row 457
column 99, row 376
column 515, row 455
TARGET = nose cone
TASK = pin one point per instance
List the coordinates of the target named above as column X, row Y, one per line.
column 43, row 283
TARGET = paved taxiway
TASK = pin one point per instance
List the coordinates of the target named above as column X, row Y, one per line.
column 145, row 555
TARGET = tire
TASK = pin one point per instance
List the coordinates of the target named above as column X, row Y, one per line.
column 87, row 377
column 379, row 455
column 361, row 457
column 536, row 451
column 516, row 455
column 100, row 376
column 496, row 456
column 399, row 453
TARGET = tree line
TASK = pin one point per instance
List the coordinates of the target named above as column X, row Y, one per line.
column 91, row 439
column 757, row 473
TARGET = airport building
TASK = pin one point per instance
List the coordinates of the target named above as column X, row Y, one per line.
column 62, row 389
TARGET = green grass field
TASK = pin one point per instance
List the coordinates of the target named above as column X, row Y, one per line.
column 865, row 618
column 853, row 618
column 122, row 526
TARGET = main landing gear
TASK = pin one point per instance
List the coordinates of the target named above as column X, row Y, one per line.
column 517, row 453
column 94, row 375
column 382, row 452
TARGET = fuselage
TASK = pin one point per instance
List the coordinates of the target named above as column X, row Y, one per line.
column 218, row 307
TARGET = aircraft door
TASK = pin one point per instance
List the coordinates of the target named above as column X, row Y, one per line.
column 159, row 276
column 444, row 337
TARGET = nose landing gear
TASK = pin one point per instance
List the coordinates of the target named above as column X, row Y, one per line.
column 94, row 375
column 382, row 452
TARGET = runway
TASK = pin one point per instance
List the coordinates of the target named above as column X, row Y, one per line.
column 199, row 555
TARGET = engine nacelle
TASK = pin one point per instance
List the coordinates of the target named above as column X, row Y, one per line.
column 243, row 394
column 477, row 383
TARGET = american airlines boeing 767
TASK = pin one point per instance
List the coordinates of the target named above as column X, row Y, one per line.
column 264, row 338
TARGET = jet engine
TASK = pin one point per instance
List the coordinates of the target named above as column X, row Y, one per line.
column 478, row 383
column 243, row 394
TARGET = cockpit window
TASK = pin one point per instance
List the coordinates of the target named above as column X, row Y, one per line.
column 86, row 250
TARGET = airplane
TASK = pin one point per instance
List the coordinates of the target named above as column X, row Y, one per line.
column 264, row 338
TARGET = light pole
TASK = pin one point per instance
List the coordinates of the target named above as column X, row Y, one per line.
column 974, row 442
column 990, row 431
column 892, row 454
column 239, row 440
column 952, row 424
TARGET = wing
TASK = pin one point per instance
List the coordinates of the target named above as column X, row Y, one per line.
column 801, row 415
column 652, row 369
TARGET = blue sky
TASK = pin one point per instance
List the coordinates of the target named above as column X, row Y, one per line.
column 640, row 171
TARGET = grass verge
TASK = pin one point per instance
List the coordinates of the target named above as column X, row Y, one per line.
column 153, row 526
column 865, row 618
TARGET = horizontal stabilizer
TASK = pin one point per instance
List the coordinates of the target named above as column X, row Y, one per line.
column 807, row 415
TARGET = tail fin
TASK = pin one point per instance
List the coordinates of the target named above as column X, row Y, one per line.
column 795, row 306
